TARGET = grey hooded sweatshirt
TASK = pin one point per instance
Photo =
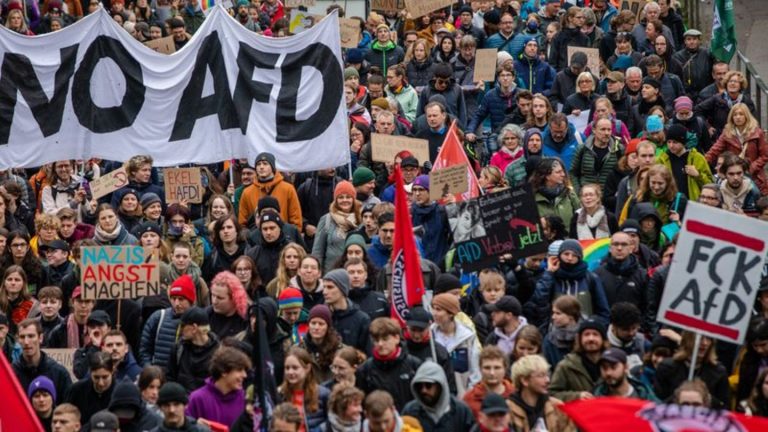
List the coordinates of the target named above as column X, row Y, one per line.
column 449, row 414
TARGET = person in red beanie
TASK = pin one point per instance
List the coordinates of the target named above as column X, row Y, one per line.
column 343, row 217
column 159, row 334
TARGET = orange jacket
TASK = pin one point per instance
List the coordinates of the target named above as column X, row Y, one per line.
column 284, row 192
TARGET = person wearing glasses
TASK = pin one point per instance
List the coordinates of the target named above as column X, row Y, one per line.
column 569, row 36
column 442, row 83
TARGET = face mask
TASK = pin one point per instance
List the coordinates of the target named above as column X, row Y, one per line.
column 533, row 26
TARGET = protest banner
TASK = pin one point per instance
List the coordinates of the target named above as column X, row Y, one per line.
column 452, row 153
column 90, row 91
column 419, row 8
column 164, row 45
column 636, row 6
column 65, row 357
column 715, row 273
column 593, row 58
column 183, row 184
column 452, row 180
column 385, row 147
column 118, row 272
column 387, row 5
column 350, row 32
column 504, row 222
column 297, row 3
column 108, row 183
column 485, row 65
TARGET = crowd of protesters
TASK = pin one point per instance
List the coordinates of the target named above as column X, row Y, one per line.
column 292, row 269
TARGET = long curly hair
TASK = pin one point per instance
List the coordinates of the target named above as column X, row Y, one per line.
column 236, row 291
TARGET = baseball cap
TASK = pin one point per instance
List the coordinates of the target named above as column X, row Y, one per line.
column 613, row 355
column 418, row 317
column 104, row 421
column 507, row 304
column 494, row 403
column 98, row 317
column 54, row 245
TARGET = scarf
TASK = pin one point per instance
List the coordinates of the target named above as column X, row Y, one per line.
column 732, row 102
column 563, row 337
column 731, row 197
column 102, row 236
column 551, row 193
column 339, row 425
column 344, row 221
column 515, row 154
column 571, row 272
column 73, row 333
column 391, row 357
column 585, row 224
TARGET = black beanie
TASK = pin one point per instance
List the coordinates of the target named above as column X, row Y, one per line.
column 172, row 392
column 268, row 202
column 446, row 282
column 268, row 158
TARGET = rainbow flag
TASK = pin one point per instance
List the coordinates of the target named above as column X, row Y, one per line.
column 207, row 5
column 595, row 251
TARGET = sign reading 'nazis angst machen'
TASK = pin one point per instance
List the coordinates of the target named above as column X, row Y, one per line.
column 117, row 272
column 715, row 273
column 91, row 90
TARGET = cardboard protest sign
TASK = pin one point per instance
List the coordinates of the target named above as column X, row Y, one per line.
column 387, row 5
column 485, row 65
column 715, row 273
column 117, row 272
column 350, row 32
column 183, row 184
column 65, row 357
column 636, row 6
column 163, row 45
column 108, row 183
column 297, row 3
column 593, row 58
column 452, row 180
column 418, row 8
column 504, row 222
column 301, row 21
column 386, row 147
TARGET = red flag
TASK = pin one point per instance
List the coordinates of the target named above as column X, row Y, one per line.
column 452, row 153
column 407, row 283
column 17, row 413
column 637, row 415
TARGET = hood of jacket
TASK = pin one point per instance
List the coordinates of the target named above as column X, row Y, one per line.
column 462, row 334
column 268, row 307
column 267, row 187
column 431, row 372
column 125, row 394
column 642, row 210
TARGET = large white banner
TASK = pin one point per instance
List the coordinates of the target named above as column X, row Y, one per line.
column 90, row 90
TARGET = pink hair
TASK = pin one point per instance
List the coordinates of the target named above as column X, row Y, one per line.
column 236, row 290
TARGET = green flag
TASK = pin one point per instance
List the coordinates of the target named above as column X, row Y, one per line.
column 723, row 45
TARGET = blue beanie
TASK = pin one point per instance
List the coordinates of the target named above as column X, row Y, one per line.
column 654, row 124
column 623, row 62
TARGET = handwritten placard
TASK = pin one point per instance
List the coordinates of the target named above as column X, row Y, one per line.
column 387, row 5
column 117, row 272
column 350, row 32
column 386, row 147
column 109, row 182
column 163, row 45
column 593, row 58
column 183, row 184
column 65, row 357
column 448, row 181
column 297, row 3
column 418, row 8
column 485, row 64
column 636, row 6
column 504, row 222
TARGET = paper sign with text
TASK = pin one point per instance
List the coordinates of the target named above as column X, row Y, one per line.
column 387, row 5
column 485, row 65
column 183, row 184
column 636, row 6
column 108, row 183
column 164, row 45
column 386, row 147
column 65, row 357
column 419, row 8
column 297, row 3
column 448, row 181
column 499, row 223
column 117, row 272
column 715, row 273
column 350, row 32
column 593, row 58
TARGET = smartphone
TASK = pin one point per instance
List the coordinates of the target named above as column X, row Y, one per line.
column 87, row 188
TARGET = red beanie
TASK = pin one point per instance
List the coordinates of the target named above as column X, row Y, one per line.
column 184, row 286
column 344, row 188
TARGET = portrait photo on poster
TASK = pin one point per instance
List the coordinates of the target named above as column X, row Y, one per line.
column 465, row 220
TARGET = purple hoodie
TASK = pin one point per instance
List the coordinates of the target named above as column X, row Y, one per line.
column 209, row 403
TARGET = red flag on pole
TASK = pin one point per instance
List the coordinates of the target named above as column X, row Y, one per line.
column 637, row 415
column 452, row 153
column 407, row 283
column 17, row 413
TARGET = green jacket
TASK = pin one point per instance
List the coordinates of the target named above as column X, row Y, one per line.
column 570, row 379
column 408, row 100
column 564, row 205
column 583, row 170
column 694, row 183
column 642, row 390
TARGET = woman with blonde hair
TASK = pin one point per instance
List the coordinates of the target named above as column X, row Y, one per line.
column 582, row 99
column 419, row 64
column 716, row 110
column 743, row 136
column 491, row 179
column 287, row 267
column 17, row 22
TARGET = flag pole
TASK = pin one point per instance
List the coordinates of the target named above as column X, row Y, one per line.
column 696, row 344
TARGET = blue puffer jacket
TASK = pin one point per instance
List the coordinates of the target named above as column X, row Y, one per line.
column 610, row 12
column 565, row 151
column 437, row 234
column 537, row 76
column 158, row 338
column 494, row 104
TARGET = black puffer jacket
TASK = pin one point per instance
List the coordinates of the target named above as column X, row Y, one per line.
column 84, row 397
column 373, row 303
column 625, row 281
column 219, row 261
column 568, row 37
column 419, row 74
column 696, row 70
column 391, row 376
column 267, row 256
column 352, row 325
column 278, row 339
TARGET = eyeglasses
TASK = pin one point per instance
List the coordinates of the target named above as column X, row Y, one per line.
column 243, row 270
column 19, row 245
